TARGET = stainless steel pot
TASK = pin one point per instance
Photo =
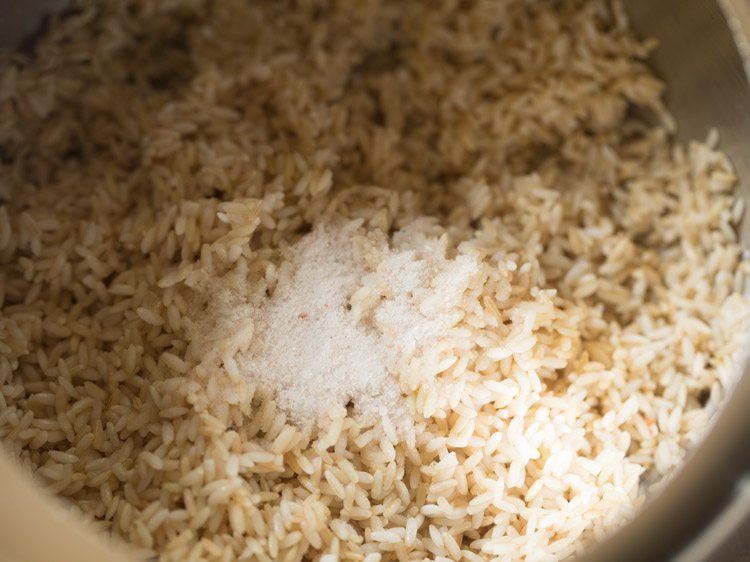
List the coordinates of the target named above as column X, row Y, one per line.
column 704, row 513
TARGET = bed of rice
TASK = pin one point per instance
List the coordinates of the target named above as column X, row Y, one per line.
column 145, row 141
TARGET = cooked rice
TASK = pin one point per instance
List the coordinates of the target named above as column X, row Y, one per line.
column 145, row 142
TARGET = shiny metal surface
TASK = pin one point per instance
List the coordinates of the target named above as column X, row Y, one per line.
column 709, row 499
column 28, row 515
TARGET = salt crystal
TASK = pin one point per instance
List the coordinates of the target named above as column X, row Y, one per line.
column 308, row 347
column 312, row 353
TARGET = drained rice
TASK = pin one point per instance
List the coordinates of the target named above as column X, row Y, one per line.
column 152, row 151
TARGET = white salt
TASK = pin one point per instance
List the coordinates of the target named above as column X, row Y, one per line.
column 420, row 293
column 308, row 347
column 311, row 352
